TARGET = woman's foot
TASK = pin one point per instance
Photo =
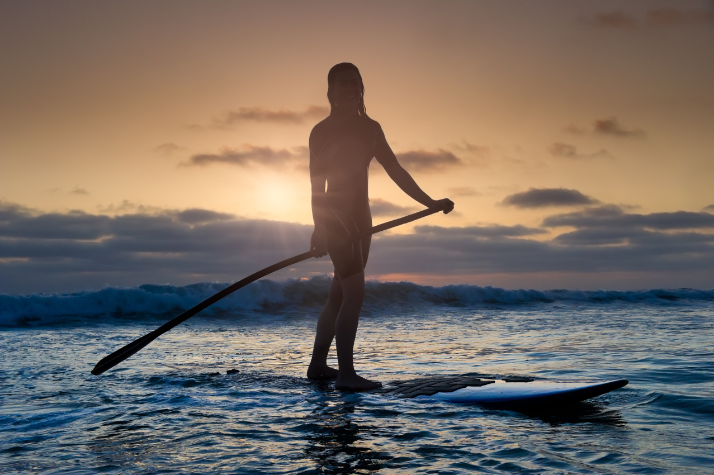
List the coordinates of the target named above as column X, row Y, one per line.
column 354, row 382
column 321, row 372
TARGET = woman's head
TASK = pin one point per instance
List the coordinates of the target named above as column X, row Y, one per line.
column 345, row 89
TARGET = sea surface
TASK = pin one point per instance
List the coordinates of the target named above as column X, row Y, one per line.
column 165, row 411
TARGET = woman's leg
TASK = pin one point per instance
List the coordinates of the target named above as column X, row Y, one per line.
column 340, row 316
column 345, row 332
column 325, row 333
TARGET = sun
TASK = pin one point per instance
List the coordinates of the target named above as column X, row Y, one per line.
column 275, row 196
column 281, row 199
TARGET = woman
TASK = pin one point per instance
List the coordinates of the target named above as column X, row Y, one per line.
column 341, row 149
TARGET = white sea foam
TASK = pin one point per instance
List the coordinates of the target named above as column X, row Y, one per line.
column 269, row 296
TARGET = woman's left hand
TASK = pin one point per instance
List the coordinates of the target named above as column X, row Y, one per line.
column 445, row 204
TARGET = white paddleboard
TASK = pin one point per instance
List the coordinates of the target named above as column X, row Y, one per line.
column 527, row 394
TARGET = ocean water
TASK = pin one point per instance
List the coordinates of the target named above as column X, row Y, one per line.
column 162, row 410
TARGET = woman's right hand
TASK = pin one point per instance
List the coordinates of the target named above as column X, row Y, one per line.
column 318, row 243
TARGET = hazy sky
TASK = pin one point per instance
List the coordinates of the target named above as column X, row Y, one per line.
column 165, row 141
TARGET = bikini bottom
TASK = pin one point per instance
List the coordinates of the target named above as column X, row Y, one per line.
column 350, row 258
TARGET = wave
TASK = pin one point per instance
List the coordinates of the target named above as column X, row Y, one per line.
column 270, row 296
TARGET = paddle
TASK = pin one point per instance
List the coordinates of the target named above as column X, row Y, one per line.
column 126, row 351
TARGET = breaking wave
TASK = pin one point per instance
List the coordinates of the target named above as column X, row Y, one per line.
column 269, row 296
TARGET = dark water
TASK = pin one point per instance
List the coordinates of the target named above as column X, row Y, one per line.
column 161, row 412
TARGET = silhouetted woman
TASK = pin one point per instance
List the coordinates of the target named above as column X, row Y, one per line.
column 341, row 149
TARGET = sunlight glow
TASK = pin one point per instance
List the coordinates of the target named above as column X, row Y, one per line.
column 278, row 197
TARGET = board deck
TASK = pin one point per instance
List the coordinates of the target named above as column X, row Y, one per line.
column 500, row 392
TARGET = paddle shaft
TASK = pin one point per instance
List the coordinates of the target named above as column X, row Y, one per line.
column 126, row 351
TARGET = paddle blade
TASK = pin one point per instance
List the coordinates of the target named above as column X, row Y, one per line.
column 122, row 353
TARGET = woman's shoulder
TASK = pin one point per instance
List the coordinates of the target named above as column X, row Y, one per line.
column 370, row 126
column 320, row 133
column 371, row 122
column 330, row 126
column 321, row 126
column 375, row 128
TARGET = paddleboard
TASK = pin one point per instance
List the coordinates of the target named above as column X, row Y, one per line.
column 505, row 394
column 514, row 393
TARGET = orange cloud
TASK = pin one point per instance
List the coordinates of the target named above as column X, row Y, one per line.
column 564, row 150
column 464, row 191
column 616, row 19
column 79, row 191
column 426, row 161
column 380, row 207
column 675, row 17
column 258, row 114
column 658, row 17
column 610, row 126
column 473, row 148
column 168, row 148
column 250, row 155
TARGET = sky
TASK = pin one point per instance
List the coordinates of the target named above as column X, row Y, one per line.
column 166, row 141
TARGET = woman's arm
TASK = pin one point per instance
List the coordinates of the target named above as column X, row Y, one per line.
column 318, row 242
column 405, row 181
column 385, row 156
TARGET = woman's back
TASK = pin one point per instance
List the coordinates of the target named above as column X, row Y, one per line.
column 342, row 148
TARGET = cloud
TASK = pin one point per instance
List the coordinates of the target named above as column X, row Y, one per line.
column 464, row 191
column 70, row 251
column 610, row 226
column 574, row 129
column 127, row 206
column 613, row 217
column 654, row 18
column 480, row 232
column 17, row 222
column 382, row 207
column 545, row 197
column 479, row 155
column 451, row 251
column 615, row 19
column 429, row 161
column 202, row 216
column 709, row 208
column 168, row 148
column 250, row 155
column 666, row 17
column 610, row 126
column 471, row 148
column 75, row 250
column 564, row 150
column 232, row 118
column 12, row 211
column 77, row 190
